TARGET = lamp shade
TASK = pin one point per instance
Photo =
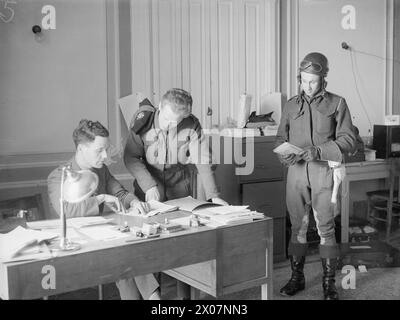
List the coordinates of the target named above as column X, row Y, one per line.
column 79, row 185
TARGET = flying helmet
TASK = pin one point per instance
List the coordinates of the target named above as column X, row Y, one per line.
column 315, row 63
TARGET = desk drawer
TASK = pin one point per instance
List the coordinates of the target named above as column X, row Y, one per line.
column 266, row 164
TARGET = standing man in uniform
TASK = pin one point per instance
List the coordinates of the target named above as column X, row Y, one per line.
column 319, row 122
column 164, row 148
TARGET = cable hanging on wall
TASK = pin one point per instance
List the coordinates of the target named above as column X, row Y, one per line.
column 345, row 46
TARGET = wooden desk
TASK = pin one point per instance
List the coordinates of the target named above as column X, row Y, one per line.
column 359, row 171
column 217, row 261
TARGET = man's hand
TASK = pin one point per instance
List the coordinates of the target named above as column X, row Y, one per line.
column 310, row 154
column 288, row 159
column 142, row 207
column 219, row 201
column 152, row 194
column 110, row 201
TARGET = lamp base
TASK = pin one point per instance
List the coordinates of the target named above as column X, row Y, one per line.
column 66, row 245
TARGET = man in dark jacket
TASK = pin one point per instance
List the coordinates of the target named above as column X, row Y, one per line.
column 318, row 122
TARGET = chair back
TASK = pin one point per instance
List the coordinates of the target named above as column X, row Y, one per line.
column 32, row 206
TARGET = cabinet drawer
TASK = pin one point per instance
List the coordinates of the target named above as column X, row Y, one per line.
column 266, row 164
column 266, row 197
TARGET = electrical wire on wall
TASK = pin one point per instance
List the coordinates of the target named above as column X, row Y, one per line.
column 345, row 46
column 353, row 69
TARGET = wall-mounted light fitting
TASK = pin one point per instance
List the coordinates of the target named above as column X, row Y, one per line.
column 37, row 30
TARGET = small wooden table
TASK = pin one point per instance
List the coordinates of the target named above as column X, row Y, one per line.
column 359, row 171
column 217, row 261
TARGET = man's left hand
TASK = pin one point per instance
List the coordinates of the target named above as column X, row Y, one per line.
column 220, row 201
column 310, row 154
column 142, row 207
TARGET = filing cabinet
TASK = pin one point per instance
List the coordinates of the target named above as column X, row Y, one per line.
column 263, row 189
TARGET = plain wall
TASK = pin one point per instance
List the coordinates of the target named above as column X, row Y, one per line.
column 46, row 87
column 396, row 57
column 320, row 30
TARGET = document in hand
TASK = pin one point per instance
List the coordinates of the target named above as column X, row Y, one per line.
column 287, row 148
column 12, row 243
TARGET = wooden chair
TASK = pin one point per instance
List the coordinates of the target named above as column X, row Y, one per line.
column 11, row 207
column 10, row 217
column 386, row 201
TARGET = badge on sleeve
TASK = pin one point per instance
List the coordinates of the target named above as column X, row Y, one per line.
column 143, row 120
column 140, row 116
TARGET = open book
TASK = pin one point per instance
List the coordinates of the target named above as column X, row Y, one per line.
column 191, row 204
column 216, row 214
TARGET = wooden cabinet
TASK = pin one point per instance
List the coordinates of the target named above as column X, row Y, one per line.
column 263, row 189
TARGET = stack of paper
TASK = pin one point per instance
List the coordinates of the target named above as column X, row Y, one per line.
column 238, row 217
column 226, row 215
column 14, row 242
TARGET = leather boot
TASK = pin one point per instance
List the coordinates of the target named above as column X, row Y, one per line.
column 297, row 281
column 328, row 280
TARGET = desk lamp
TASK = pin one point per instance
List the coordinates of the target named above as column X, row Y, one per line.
column 76, row 186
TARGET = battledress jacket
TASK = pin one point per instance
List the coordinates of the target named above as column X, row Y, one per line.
column 324, row 122
column 151, row 149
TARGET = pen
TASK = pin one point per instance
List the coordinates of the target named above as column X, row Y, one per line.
column 143, row 238
column 122, row 207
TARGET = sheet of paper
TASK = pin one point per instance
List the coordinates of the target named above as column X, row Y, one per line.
column 156, row 207
column 82, row 222
column 287, row 148
column 35, row 252
column 228, row 209
column 184, row 221
column 44, row 224
column 128, row 105
column 104, row 233
column 230, row 218
column 15, row 241
column 360, row 247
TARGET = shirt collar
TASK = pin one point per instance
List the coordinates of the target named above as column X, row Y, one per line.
column 74, row 164
column 319, row 96
column 157, row 119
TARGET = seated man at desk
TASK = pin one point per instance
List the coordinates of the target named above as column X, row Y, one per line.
column 91, row 142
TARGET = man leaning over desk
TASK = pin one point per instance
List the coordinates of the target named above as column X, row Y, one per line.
column 91, row 142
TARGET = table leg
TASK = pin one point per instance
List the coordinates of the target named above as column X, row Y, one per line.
column 266, row 289
column 194, row 293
